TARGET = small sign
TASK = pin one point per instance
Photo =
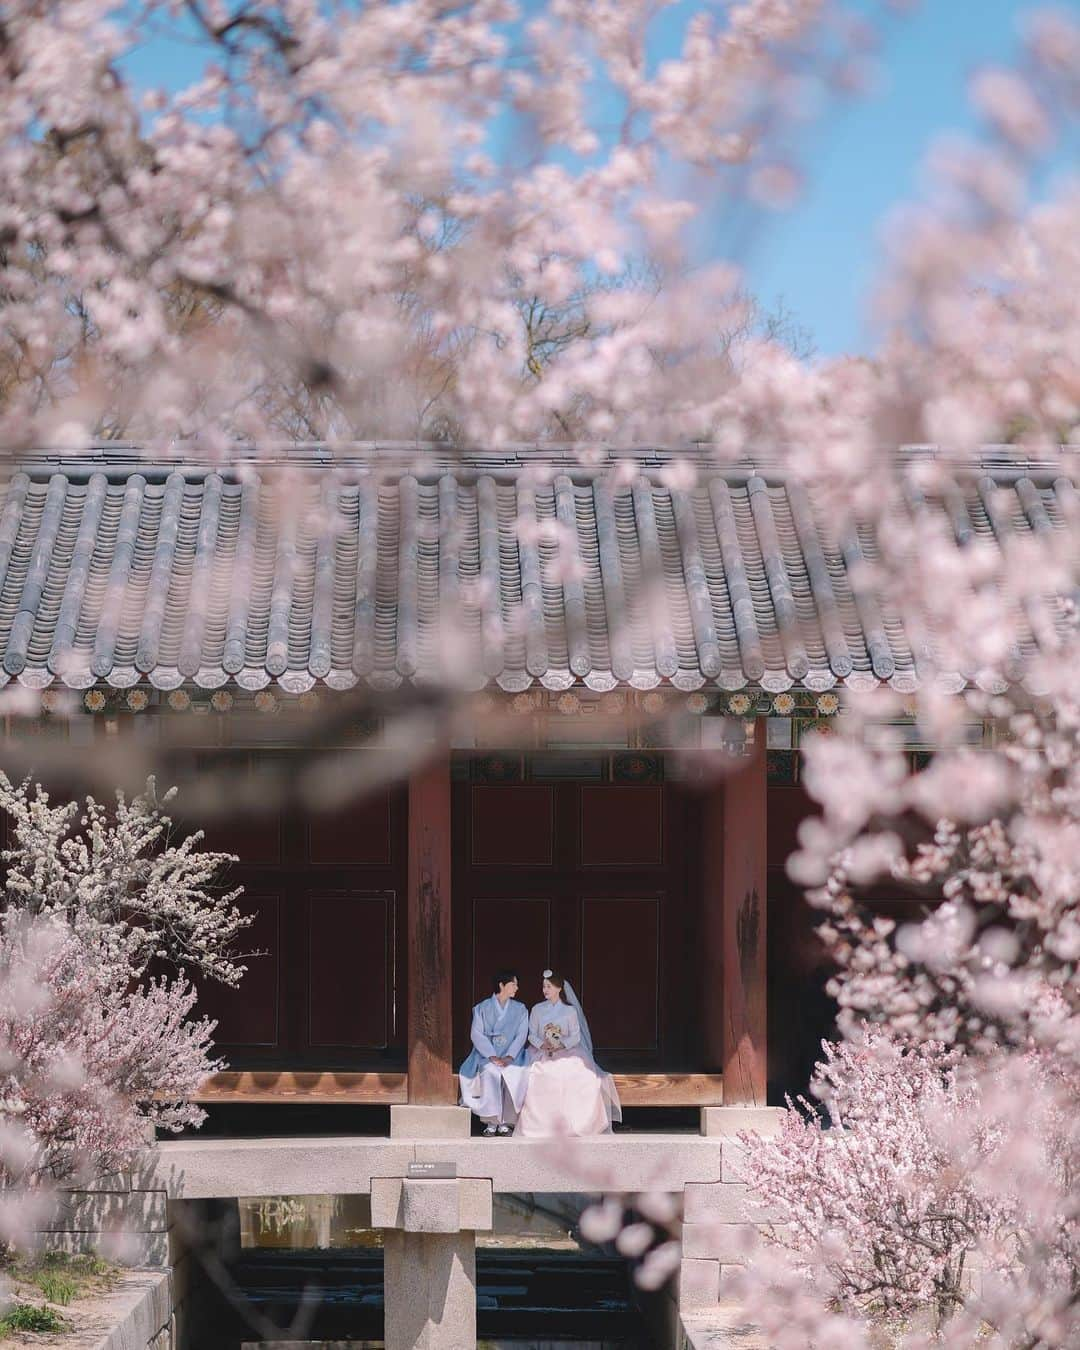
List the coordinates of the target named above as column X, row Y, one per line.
column 432, row 1171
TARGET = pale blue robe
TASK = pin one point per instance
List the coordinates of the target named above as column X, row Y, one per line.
column 497, row 1029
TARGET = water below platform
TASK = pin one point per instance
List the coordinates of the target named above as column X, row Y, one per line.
column 310, row 1273
column 524, row 1298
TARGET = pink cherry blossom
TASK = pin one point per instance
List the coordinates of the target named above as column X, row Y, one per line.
column 95, row 1050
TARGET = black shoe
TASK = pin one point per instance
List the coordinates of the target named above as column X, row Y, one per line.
column 504, row 1130
column 490, row 1131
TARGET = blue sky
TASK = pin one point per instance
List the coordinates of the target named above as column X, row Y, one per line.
column 821, row 258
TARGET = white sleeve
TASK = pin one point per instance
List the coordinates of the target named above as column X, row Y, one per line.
column 572, row 1034
column 536, row 1036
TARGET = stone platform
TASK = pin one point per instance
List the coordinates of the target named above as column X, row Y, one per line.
column 429, row 1223
column 198, row 1169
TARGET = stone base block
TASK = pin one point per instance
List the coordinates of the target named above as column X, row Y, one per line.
column 431, row 1206
column 725, row 1202
column 728, row 1243
column 733, row 1165
column 430, row 1289
column 715, row 1202
column 727, row 1325
column 699, row 1283
column 733, row 1119
column 430, row 1122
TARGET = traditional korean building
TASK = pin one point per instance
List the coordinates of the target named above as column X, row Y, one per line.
column 604, row 622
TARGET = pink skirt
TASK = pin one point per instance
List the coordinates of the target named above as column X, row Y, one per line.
column 565, row 1096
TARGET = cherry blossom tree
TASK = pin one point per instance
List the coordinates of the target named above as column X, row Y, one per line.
column 354, row 218
column 880, row 1191
column 991, row 971
column 122, row 880
column 91, row 1063
column 96, row 1049
column 942, row 1180
column 979, row 348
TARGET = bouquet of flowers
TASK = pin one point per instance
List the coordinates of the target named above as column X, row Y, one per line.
column 553, row 1036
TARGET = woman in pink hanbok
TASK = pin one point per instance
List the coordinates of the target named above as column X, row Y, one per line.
column 568, row 1093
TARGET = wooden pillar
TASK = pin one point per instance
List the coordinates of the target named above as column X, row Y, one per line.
column 430, row 1007
column 745, row 863
column 734, row 837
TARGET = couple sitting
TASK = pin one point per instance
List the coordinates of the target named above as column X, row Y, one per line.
column 536, row 1069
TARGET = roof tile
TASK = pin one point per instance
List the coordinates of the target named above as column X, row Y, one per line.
column 121, row 572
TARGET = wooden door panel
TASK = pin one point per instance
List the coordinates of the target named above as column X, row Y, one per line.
column 246, row 820
column 599, row 878
column 349, row 956
column 357, row 834
column 330, row 888
column 253, row 837
column 788, row 808
column 514, row 933
column 248, row 1016
column 622, row 826
column 621, row 972
column 512, row 826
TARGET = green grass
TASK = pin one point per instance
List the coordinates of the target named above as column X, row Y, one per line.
column 25, row 1317
column 60, row 1279
column 57, row 1286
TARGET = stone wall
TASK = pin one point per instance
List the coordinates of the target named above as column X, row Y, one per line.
column 122, row 1222
column 134, row 1224
column 147, row 1322
column 720, row 1218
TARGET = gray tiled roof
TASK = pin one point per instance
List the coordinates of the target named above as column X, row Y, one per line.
column 115, row 571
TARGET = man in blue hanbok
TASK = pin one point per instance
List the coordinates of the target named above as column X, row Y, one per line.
column 493, row 1078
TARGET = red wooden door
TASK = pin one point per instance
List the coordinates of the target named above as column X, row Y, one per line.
column 588, row 874
column 327, row 892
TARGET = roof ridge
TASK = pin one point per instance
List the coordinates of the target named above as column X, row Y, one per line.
column 426, row 458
